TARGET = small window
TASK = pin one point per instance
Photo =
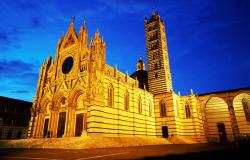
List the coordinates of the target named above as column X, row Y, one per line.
column 188, row 112
column 163, row 112
column 156, row 75
column 110, row 96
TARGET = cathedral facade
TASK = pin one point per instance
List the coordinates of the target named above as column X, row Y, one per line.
column 78, row 94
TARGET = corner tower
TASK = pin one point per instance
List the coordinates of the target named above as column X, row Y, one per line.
column 159, row 76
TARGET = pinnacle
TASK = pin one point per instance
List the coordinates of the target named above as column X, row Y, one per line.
column 97, row 34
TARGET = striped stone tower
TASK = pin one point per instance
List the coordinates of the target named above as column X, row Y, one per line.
column 159, row 75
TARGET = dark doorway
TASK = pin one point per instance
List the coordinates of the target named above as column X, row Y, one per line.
column 165, row 131
column 1, row 132
column 19, row 135
column 79, row 124
column 9, row 135
column 61, row 124
column 45, row 128
column 222, row 132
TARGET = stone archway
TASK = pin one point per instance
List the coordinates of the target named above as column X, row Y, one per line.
column 243, row 124
column 77, row 115
column 218, row 122
column 46, row 120
column 58, row 106
column 42, row 112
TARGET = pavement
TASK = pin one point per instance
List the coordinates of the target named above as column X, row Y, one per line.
column 226, row 151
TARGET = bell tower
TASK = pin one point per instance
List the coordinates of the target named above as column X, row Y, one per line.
column 159, row 76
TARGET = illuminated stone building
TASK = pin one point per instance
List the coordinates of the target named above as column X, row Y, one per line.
column 78, row 94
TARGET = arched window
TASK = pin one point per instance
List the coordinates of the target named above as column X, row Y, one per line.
column 110, row 96
column 126, row 101
column 188, row 111
column 156, row 75
column 139, row 105
column 163, row 109
column 246, row 107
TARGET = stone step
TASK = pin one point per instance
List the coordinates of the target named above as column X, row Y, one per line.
column 83, row 142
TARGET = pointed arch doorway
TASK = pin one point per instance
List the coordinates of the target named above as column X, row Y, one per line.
column 79, row 124
column 61, row 124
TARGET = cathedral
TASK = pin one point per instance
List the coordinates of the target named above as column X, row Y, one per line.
column 78, row 94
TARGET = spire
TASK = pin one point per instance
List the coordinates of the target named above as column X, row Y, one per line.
column 73, row 19
column 71, row 26
column 83, row 27
column 97, row 34
column 191, row 91
column 84, row 23
column 49, row 59
column 71, row 36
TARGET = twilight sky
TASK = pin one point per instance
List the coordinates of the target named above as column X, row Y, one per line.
column 208, row 40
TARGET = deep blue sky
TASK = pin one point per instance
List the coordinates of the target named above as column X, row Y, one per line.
column 208, row 41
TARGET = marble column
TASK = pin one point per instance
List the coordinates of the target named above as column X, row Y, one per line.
column 72, row 123
column 67, row 125
column 54, row 124
column 40, row 133
column 37, row 125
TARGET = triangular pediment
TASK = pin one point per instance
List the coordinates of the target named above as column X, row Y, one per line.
column 70, row 38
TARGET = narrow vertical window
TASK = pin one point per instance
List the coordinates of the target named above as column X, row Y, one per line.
column 156, row 75
column 163, row 109
column 150, row 109
column 188, row 112
column 126, row 101
column 246, row 107
column 139, row 105
column 110, row 96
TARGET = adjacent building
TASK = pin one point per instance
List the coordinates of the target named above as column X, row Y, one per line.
column 79, row 94
column 14, row 118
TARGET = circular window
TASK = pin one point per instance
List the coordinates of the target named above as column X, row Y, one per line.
column 67, row 65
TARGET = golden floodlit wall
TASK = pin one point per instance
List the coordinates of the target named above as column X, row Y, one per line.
column 114, row 119
column 78, row 94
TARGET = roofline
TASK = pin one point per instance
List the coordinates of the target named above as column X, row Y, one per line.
column 229, row 90
column 15, row 99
